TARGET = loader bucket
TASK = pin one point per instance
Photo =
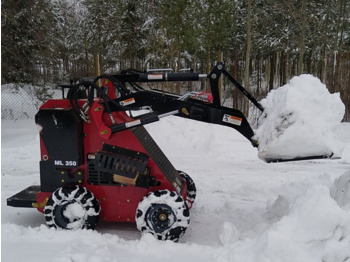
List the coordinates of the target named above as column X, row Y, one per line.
column 270, row 158
column 299, row 122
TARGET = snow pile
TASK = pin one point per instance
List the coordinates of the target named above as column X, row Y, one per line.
column 315, row 228
column 299, row 121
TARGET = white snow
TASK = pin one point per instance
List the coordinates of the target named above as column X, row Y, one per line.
column 76, row 213
column 341, row 190
column 299, row 120
column 245, row 210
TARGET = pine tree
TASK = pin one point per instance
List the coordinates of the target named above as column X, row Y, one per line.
column 132, row 33
column 23, row 40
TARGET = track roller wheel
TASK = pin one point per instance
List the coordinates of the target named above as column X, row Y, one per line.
column 191, row 188
column 163, row 214
column 72, row 207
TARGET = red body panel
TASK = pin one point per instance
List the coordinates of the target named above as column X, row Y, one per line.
column 118, row 202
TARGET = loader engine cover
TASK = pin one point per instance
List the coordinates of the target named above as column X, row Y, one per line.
column 62, row 136
column 61, row 147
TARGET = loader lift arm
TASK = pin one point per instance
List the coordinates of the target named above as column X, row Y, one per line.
column 187, row 106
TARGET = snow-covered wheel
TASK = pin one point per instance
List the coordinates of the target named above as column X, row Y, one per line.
column 163, row 214
column 191, row 188
column 72, row 207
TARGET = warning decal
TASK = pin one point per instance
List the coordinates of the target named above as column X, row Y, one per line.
column 133, row 123
column 155, row 77
column 127, row 101
column 234, row 120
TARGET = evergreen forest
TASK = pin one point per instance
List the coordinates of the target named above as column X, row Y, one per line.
column 264, row 43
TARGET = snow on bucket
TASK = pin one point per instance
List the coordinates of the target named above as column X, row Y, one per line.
column 299, row 121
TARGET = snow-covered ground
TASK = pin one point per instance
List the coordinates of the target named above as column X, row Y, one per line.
column 246, row 209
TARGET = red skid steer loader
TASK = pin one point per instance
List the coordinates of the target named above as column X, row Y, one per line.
column 98, row 162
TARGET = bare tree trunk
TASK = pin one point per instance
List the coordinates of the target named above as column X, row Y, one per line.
column 87, row 69
column 208, row 61
column 285, row 68
column 272, row 70
column 277, row 67
column 235, row 66
column 267, row 72
column 309, row 63
column 203, row 83
column 258, row 75
column 281, row 65
column 302, row 38
column 323, row 66
column 329, row 71
column 220, row 59
column 247, row 55
column 286, row 65
column 178, row 84
column 337, row 69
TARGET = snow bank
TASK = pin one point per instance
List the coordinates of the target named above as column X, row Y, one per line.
column 299, row 120
column 48, row 244
column 312, row 227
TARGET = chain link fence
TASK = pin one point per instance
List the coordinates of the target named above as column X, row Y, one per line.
column 22, row 101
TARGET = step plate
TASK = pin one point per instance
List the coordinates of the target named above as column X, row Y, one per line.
column 25, row 198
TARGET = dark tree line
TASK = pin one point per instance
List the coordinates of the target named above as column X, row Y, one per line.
column 264, row 42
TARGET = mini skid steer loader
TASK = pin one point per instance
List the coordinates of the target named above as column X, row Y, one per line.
column 98, row 162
